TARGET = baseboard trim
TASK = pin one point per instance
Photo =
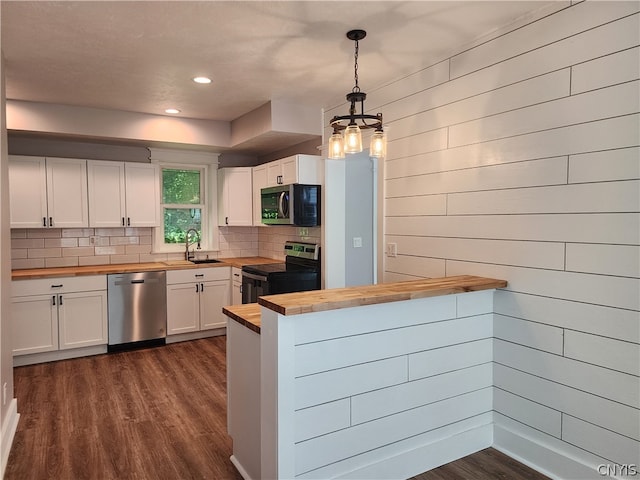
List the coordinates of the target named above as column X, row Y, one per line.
column 239, row 467
column 549, row 456
column 183, row 337
column 426, row 457
column 9, row 427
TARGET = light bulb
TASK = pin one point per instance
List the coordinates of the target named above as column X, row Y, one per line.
column 352, row 139
column 378, row 147
column 336, row 146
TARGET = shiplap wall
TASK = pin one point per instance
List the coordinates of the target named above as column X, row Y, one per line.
column 378, row 391
column 519, row 159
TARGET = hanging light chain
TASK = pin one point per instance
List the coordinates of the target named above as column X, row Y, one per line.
column 356, row 88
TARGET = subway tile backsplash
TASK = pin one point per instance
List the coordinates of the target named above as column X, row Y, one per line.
column 71, row 247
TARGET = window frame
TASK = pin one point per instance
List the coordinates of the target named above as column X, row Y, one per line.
column 205, row 216
column 207, row 162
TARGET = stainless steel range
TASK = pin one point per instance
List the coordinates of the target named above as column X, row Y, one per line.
column 300, row 272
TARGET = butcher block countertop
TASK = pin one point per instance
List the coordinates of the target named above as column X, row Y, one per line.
column 333, row 299
column 33, row 273
column 247, row 315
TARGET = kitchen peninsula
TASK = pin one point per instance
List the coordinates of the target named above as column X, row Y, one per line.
column 378, row 381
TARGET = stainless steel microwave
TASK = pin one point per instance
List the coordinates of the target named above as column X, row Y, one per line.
column 294, row 204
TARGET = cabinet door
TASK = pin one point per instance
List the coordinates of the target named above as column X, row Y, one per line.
column 106, row 194
column 289, row 168
column 34, row 321
column 82, row 319
column 236, row 286
column 237, row 197
column 274, row 173
column 67, row 202
column 27, row 192
column 309, row 169
column 213, row 297
column 259, row 175
column 183, row 308
column 142, row 183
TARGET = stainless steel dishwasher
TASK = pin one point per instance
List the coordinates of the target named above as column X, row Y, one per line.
column 137, row 306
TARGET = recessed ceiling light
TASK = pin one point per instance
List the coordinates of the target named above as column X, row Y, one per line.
column 172, row 111
column 202, row 80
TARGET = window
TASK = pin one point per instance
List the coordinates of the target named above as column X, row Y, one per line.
column 183, row 206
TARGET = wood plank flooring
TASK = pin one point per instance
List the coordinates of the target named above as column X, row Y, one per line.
column 152, row 414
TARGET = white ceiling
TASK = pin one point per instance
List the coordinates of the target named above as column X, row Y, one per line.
column 141, row 55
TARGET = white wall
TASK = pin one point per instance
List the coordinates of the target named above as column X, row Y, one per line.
column 519, row 159
column 8, row 405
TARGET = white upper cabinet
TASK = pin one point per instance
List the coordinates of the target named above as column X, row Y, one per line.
column 259, row 175
column 235, row 196
column 294, row 169
column 123, row 194
column 48, row 192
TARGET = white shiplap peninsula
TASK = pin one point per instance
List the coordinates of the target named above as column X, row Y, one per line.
column 382, row 381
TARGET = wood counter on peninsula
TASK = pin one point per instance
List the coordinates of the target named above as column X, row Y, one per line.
column 379, row 381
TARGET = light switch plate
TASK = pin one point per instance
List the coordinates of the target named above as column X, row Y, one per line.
column 392, row 249
column 357, row 242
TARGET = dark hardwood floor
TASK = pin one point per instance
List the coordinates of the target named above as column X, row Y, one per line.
column 155, row 414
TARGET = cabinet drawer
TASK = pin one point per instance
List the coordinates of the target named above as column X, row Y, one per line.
column 197, row 275
column 236, row 275
column 42, row 286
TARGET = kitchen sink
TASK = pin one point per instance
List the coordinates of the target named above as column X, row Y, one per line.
column 208, row 260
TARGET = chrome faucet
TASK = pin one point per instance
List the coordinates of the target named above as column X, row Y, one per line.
column 190, row 255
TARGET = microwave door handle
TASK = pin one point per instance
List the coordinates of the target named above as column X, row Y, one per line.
column 281, row 205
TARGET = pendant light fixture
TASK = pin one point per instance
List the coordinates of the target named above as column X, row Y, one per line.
column 347, row 136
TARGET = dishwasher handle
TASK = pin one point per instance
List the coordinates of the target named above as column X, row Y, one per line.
column 137, row 281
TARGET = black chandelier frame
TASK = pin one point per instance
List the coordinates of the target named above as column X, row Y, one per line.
column 356, row 96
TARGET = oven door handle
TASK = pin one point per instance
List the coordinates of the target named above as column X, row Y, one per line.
column 252, row 276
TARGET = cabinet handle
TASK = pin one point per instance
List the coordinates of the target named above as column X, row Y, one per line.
column 123, row 221
column 236, row 274
column 59, row 299
column 57, row 286
column 197, row 288
column 199, row 275
column 51, row 221
column 54, row 299
column 128, row 221
column 226, row 220
column 44, row 221
column 202, row 287
column 279, row 181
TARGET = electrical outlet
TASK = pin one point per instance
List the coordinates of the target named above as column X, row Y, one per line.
column 392, row 249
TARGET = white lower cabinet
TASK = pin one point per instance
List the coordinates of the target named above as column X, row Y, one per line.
column 195, row 298
column 236, row 286
column 58, row 314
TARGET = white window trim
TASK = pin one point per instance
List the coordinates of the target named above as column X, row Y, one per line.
column 208, row 163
